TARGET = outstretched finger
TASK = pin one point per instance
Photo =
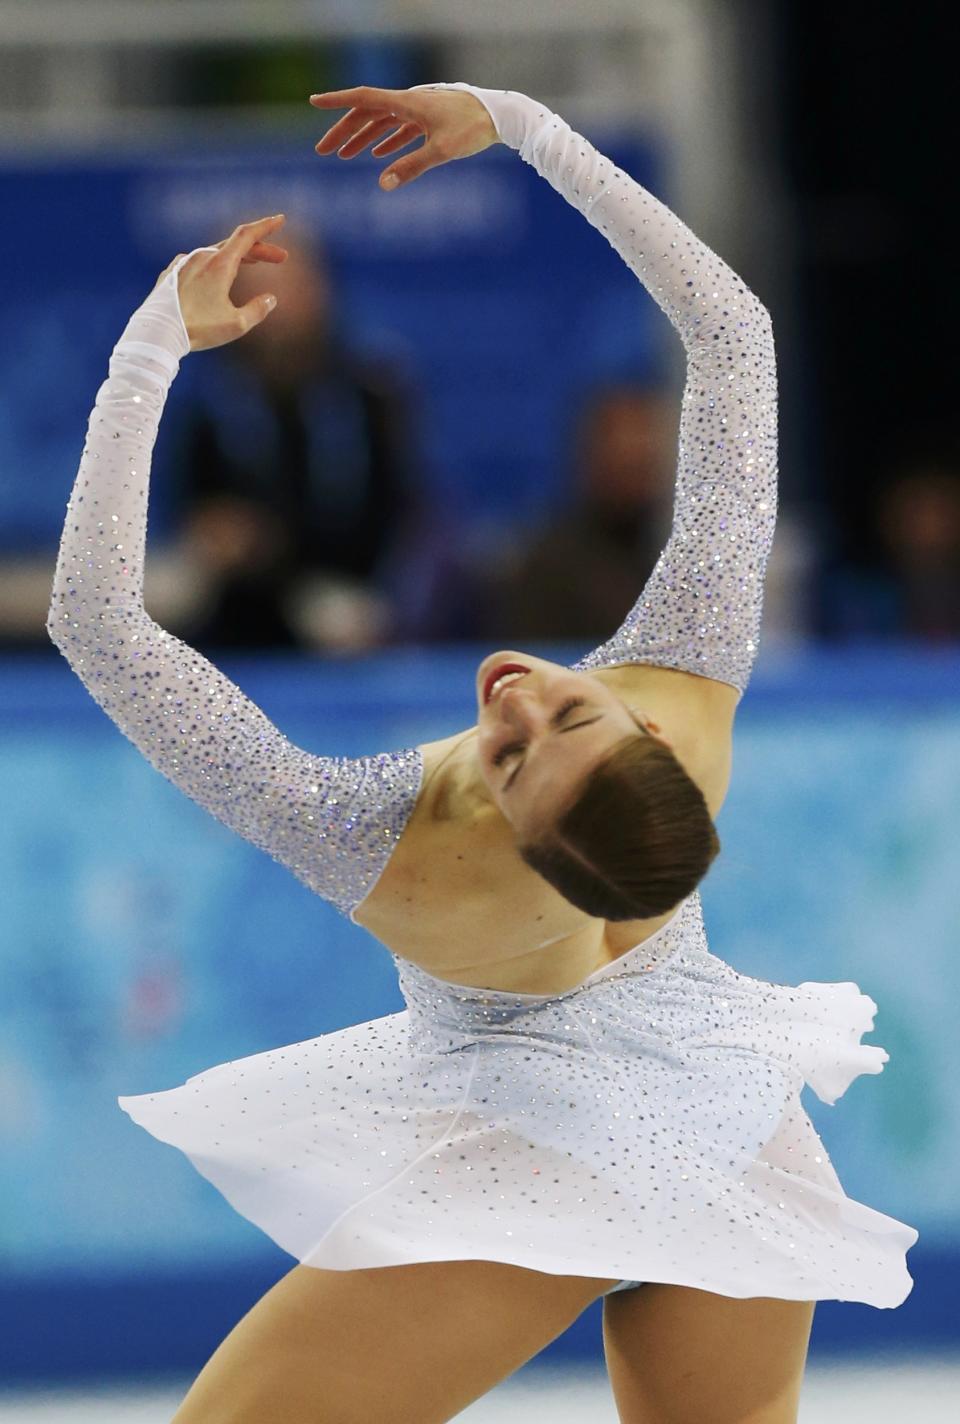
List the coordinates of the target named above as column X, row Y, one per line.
column 397, row 101
column 342, row 131
column 266, row 252
column 404, row 135
column 245, row 237
column 373, row 130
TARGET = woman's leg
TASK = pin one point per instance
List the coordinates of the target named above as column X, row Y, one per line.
column 396, row 1345
column 679, row 1355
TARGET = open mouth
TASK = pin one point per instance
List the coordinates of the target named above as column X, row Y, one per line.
column 498, row 677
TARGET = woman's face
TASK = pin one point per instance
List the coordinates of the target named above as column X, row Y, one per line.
column 540, row 732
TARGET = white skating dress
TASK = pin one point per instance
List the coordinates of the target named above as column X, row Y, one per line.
column 645, row 1125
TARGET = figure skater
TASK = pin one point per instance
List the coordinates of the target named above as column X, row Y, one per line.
column 580, row 1099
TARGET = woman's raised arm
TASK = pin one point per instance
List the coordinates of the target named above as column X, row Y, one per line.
column 700, row 608
column 333, row 821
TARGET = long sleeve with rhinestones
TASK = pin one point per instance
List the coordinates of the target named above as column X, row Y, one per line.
column 700, row 608
column 333, row 821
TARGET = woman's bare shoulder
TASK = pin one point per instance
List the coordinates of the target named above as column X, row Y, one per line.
column 685, row 691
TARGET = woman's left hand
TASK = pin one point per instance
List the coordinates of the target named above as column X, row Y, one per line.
column 205, row 279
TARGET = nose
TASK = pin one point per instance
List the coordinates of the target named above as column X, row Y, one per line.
column 521, row 708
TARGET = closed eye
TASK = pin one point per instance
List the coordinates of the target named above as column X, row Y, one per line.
column 555, row 721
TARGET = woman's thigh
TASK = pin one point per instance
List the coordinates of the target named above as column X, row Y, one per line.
column 397, row 1344
column 678, row 1355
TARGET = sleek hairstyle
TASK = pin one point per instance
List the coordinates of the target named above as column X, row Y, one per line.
column 636, row 839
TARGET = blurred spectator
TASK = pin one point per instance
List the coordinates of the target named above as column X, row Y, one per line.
column 291, row 468
column 577, row 576
column 288, row 505
column 911, row 589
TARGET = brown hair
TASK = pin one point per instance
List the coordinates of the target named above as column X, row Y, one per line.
column 636, row 839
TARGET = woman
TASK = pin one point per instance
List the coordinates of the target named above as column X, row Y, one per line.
column 579, row 1097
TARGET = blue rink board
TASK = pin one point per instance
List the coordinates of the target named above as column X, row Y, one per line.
column 142, row 942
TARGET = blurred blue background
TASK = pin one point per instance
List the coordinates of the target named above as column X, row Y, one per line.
column 139, row 941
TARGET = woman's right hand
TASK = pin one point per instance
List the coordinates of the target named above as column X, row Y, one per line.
column 454, row 124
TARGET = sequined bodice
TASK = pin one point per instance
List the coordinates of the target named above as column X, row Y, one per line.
column 334, row 821
column 443, row 1015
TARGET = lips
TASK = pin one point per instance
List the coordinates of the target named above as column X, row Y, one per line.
column 500, row 671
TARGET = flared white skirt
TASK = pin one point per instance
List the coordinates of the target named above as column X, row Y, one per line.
column 646, row 1125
